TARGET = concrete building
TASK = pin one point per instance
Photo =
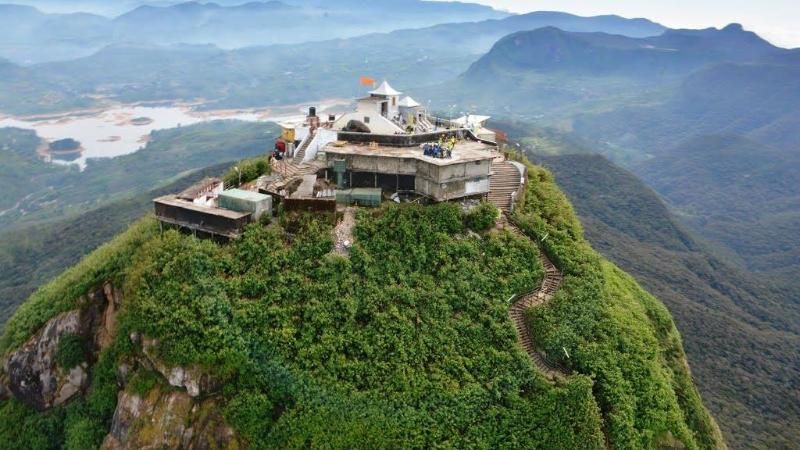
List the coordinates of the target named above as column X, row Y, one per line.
column 206, row 209
column 203, row 193
column 407, row 169
column 382, row 144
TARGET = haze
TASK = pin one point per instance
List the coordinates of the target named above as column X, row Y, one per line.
column 775, row 20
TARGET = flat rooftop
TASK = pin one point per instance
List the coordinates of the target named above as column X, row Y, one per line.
column 244, row 195
column 464, row 151
column 172, row 200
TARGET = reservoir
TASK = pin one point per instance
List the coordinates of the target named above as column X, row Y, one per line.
column 124, row 129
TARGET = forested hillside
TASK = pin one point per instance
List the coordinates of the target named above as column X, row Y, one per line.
column 740, row 333
column 32, row 255
column 406, row 343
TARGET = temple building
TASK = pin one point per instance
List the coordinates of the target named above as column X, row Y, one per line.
column 389, row 148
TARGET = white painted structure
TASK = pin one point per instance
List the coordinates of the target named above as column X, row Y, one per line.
column 380, row 112
column 204, row 193
column 477, row 124
column 322, row 137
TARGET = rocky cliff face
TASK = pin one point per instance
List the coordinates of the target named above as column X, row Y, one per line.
column 33, row 375
column 169, row 419
column 179, row 411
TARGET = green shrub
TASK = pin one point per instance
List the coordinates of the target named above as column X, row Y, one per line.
column 24, row 428
column 62, row 294
column 71, row 351
column 251, row 413
column 613, row 329
column 404, row 344
column 142, row 382
column 246, row 171
column 482, row 217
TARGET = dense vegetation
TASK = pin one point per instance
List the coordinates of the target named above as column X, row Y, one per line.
column 406, row 343
column 246, row 171
column 31, row 256
column 741, row 359
column 642, row 358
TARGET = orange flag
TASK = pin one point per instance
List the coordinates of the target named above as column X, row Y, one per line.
column 367, row 81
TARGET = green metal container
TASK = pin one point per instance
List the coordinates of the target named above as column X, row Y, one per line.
column 360, row 196
column 246, row 202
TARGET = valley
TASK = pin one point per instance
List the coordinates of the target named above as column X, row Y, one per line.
column 123, row 129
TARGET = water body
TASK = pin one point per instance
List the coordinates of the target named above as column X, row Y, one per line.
column 115, row 132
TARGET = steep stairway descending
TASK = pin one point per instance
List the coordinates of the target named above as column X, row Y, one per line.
column 505, row 180
column 423, row 125
column 301, row 152
column 536, row 297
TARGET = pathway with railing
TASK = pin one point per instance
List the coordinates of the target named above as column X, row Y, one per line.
column 537, row 297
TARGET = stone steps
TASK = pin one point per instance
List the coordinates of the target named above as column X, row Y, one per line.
column 548, row 288
column 301, row 152
column 504, row 182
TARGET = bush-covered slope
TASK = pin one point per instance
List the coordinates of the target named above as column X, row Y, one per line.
column 32, row 255
column 406, row 343
column 737, row 330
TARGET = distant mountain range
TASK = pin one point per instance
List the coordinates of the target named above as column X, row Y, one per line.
column 290, row 73
column 34, row 36
column 675, row 52
column 39, row 37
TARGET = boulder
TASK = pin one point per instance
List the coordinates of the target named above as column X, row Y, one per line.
column 33, row 376
column 157, row 420
column 192, row 378
column 168, row 419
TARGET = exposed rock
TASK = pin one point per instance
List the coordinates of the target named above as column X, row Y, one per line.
column 108, row 325
column 158, row 420
column 33, row 375
column 169, row 420
column 124, row 371
column 209, row 430
column 191, row 378
column 76, row 380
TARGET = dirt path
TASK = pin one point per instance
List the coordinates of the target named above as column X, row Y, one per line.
column 343, row 233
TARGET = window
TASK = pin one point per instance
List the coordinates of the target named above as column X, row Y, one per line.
column 366, row 119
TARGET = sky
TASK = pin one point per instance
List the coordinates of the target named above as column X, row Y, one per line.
column 775, row 20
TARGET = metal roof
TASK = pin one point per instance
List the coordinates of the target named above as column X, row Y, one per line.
column 385, row 89
column 408, row 102
column 472, row 119
column 244, row 195
column 196, row 190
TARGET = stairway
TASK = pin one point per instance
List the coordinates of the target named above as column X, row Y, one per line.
column 301, row 152
column 505, row 180
column 423, row 125
column 537, row 297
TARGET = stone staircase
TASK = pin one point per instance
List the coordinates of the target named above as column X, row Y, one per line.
column 423, row 125
column 505, row 180
column 537, row 297
column 301, row 152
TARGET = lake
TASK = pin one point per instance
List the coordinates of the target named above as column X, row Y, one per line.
column 124, row 129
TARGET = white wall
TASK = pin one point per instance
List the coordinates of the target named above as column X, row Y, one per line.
column 377, row 123
column 322, row 138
